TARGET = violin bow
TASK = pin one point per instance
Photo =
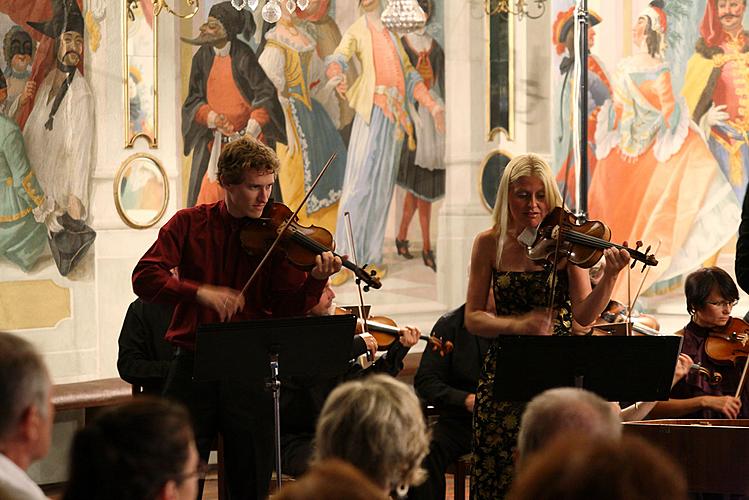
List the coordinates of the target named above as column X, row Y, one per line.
column 743, row 379
column 557, row 246
column 288, row 222
column 350, row 237
column 639, row 289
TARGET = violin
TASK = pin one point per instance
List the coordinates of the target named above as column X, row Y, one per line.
column 617, row 313
column 582, row 244
column 300, row 244
column 385, row 331
column 728, row 343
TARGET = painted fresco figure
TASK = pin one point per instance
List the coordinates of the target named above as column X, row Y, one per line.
column 308, row 99
column 599, row 90
column 22, row 238
column 59, row 139
column 717, row 90
column 326, row 33
column 656, row 180
column 422, row 172
column 229, row 96
column 18, row 49
column 379, row 96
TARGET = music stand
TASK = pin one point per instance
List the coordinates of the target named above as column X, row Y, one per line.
column 615, row 368
column 311, row 347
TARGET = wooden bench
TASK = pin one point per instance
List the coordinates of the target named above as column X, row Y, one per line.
column 90, row 396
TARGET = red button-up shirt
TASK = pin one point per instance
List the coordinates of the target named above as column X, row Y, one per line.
column 203, row 244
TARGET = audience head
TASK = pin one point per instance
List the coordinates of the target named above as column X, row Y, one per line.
column 578, row 469
column 332, row 480
column 561, row 411
column 375, row 424
column 143, row 450
column 26, row 411
column 711, row 294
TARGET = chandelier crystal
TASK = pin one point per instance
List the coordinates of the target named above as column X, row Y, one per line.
column 272, row 9
column 403, row 16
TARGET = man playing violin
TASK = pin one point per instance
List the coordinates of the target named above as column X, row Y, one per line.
column 302, row 401
column 204, row 243
column 711, row 294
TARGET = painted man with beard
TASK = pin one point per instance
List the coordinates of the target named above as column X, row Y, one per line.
column 717, row 91
column 229, row 96
column 59, row 139
column 18, row 48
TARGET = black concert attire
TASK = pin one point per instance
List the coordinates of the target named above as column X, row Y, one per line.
column 145, row 356
column 445, row 382
column 742, row 248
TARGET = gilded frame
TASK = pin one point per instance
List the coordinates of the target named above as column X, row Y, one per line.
column 481, row 180
column 117, row 191
column 508, row 131
column 130, row 138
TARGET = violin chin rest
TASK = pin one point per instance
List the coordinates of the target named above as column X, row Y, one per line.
column 528, row 236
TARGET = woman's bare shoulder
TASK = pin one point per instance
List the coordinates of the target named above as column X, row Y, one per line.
column 486, row 238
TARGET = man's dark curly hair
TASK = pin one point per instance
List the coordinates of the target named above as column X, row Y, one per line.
column 243, row 154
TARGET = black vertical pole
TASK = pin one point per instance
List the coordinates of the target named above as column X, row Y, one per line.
column 582, row 57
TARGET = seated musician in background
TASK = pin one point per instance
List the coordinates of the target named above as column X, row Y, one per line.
column 710, row 294
column 302, row 400
column 144, row 356
column 449, row 383
column 214, row 268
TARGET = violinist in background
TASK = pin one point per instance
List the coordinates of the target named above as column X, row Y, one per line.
column 204, row 243
column 711, row 295
column 302, row 400
column 616, row 312
column 527, row 193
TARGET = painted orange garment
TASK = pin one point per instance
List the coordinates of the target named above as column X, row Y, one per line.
column 225, row 98
column 642, row 198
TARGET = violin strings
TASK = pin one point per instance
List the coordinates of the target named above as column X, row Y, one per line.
column 576, row 237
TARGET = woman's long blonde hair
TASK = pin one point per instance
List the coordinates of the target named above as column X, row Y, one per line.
column 527, row 164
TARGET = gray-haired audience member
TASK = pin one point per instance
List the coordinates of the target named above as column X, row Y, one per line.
column 142, row 450
column 561, row 411
column 26, row 416
column 375, row 424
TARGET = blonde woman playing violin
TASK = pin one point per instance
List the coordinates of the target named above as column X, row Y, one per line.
column 526, row 193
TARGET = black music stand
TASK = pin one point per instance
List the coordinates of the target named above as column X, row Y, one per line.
column 615, row 368
column 316, row 348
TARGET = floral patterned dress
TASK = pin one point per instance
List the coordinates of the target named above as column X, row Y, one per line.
column 496, row 423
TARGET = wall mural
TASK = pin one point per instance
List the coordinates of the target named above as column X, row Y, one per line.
column 46, row 125
column 329, row 79
column 668, row 161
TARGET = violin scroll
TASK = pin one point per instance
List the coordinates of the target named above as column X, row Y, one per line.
column 713, row 378
column 444, row 347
